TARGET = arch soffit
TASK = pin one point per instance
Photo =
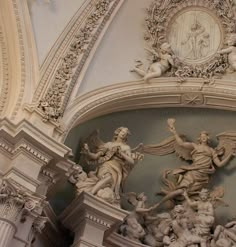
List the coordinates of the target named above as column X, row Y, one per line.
column 162, row 92
column 19, row 58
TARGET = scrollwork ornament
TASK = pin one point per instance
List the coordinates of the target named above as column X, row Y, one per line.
column 195, row 48
column 52, row 104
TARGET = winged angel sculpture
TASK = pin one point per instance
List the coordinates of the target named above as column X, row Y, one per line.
column 204, row 160
column 114, row 160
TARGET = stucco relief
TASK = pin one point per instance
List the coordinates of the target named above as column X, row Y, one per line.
column 194, row 36
column 196, row 32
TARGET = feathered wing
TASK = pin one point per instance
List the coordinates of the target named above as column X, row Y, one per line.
column 94, row 141
column 227, row 144
column 168, row 146
column 216, row 197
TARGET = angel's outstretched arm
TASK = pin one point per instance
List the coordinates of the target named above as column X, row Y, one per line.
column 226, row 50
column 191, row 203
column 180, row 141
column 222, row 162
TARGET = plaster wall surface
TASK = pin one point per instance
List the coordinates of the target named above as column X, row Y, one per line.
column 49, row 18
column 121, row 45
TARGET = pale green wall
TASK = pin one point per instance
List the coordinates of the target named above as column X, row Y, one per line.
column 149, row 126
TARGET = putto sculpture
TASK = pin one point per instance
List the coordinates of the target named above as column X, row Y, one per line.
column 165, row 59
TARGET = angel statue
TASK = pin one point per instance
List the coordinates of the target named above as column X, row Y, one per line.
column 157, row 68
column 114, row 161
column 204, row 161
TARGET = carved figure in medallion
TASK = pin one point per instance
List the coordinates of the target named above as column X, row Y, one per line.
column 115, row 159
column 192, row 39
column 231, row 51
column 157, row 69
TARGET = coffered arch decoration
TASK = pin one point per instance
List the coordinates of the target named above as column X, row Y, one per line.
column 70, row 56
column 19, row 66
column 163, row 92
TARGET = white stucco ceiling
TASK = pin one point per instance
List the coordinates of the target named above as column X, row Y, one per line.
column 49, row 18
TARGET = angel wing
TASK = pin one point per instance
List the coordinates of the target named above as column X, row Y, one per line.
column 152, row 51
column 227, row 144
column 216, row 197
column 168, row 146
column 94, row 141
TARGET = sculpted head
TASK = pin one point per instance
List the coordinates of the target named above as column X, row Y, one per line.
column 203, row 137
column 122, row 133
column 165, row 47
column 204, row 194
column 142, row 197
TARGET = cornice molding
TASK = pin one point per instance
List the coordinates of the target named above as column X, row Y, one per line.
column 162, row 92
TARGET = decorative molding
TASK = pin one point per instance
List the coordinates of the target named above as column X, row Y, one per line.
column 73, row 60
column 22, row 57
column 163, row 92
column 97, row 220
column 162, row 24
column 192, row 99
column 5, row 77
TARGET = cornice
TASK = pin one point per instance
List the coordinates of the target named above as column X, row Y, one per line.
column 162, row 92
column 24, row 130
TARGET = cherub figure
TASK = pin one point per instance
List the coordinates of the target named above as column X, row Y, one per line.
column 132, row 227
column 157, row 69
column 231, row 51
column 114, row 161
column 204, row 161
